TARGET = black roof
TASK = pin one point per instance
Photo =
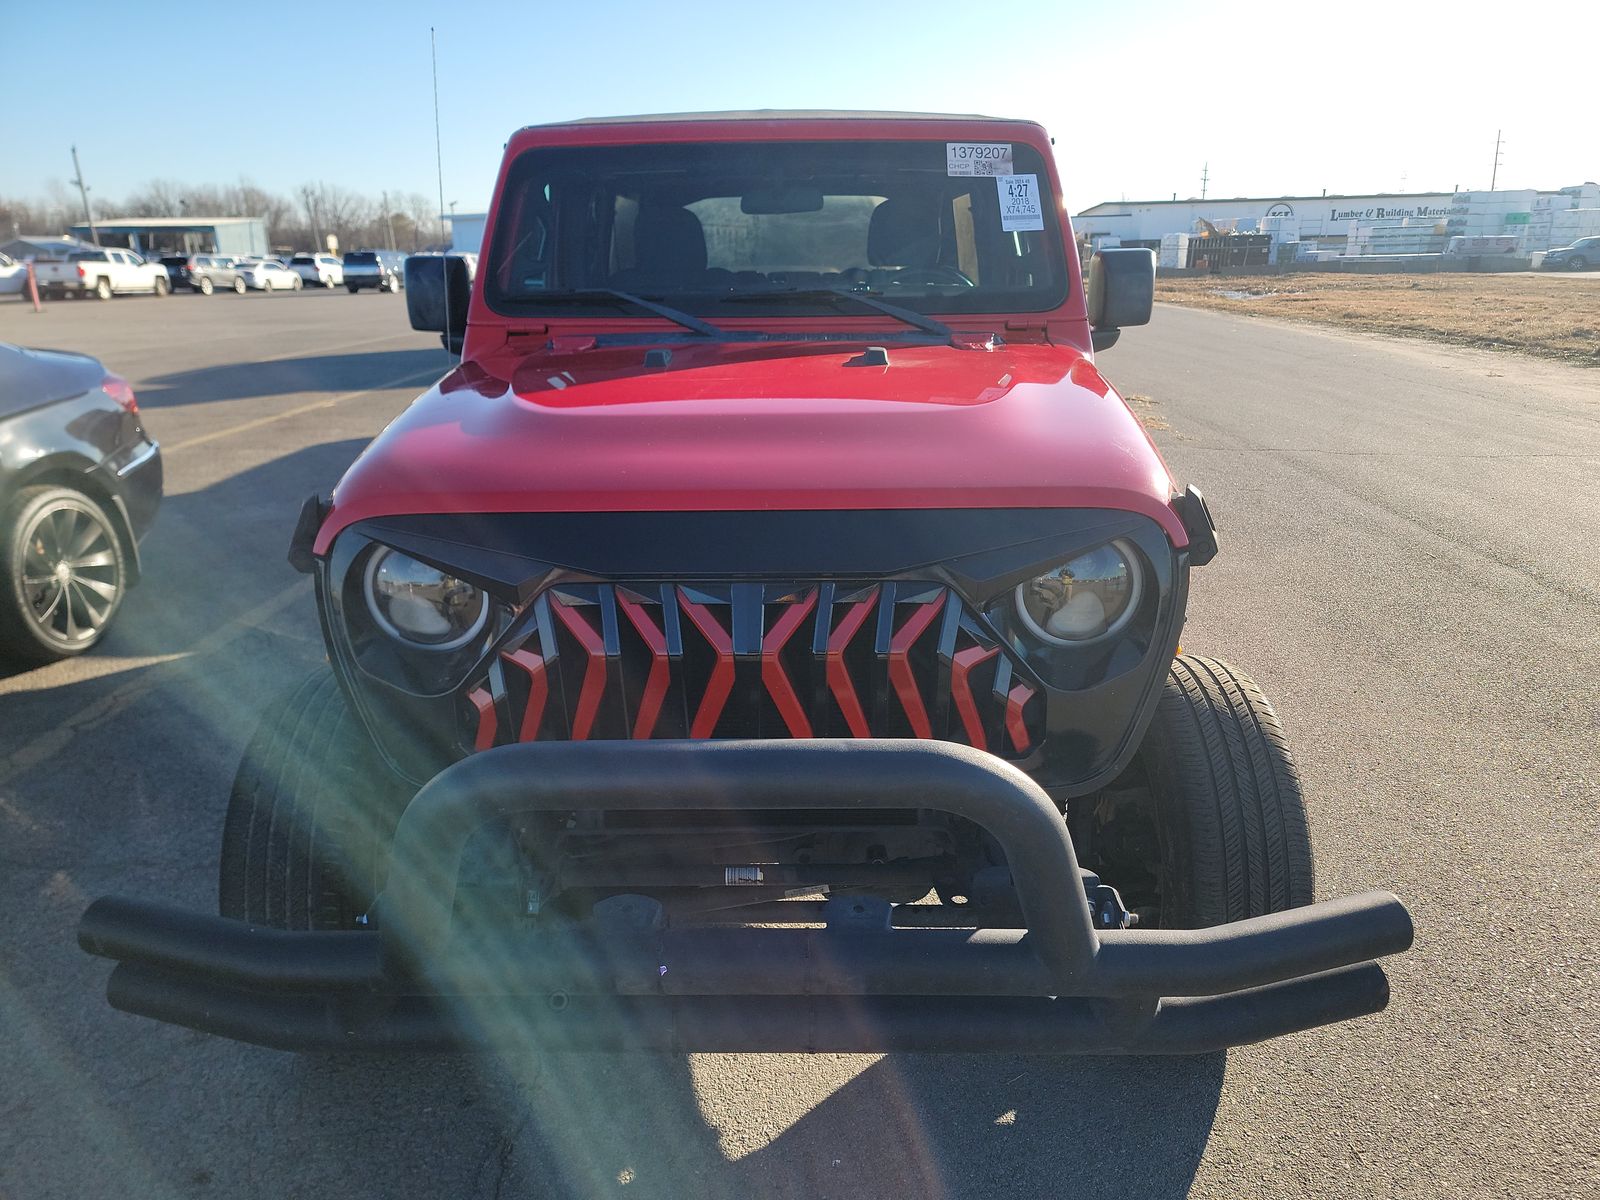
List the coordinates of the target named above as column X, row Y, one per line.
column 784, row 114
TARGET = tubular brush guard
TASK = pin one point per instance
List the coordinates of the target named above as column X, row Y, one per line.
column 619, row 980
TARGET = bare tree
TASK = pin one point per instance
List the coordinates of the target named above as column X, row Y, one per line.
column 316, row 210
column 424, row 214
column 158, row 198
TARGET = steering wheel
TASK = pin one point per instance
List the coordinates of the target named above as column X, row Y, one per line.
column 933, row 275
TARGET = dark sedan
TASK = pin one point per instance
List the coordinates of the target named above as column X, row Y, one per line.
column 1580, row 256
column 80, row 482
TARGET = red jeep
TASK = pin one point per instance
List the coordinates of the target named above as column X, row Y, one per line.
column 765, row 639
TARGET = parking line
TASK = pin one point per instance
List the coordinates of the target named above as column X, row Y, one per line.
column 409, row 377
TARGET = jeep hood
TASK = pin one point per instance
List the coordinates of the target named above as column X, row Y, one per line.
column 576, row 427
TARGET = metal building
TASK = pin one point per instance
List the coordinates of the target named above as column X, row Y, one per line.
column 466, row 231
column 153, row 236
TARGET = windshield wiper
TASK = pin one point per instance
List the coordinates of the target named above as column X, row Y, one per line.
column 593, row 295
column 859, row 295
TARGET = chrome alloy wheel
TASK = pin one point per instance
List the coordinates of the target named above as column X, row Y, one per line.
column 71, row 573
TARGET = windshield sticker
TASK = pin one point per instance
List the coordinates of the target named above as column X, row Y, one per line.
column 977, row 158
column 1019, row 203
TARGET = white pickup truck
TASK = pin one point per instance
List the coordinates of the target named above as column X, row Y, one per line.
column 103, row 273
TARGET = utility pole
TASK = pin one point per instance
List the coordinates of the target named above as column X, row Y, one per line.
column 311, row 213
column 83, row 190
column 1205, row 178
column 388, row 216
column 1494, row 175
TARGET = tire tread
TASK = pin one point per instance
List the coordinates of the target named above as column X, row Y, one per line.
column 309, row 801
column 1231, row 798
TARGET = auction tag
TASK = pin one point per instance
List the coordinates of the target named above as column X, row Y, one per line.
column 977, row 158
column 1019, row 203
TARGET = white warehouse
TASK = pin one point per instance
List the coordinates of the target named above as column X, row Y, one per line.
column 1537, row 219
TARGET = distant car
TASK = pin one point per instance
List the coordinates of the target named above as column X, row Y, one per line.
column 13, row 275
column 1580, row 256
column 381, row 269
column 80, row 482
column 270, row 275
column 324, row 270
column 101, row 272
column 203, row 273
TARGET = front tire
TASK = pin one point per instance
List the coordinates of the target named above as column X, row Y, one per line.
column 1208, row 824
column 160, row 287
column 205, row 287
column 313, row 810
column 63, row 572
column 238, row 285
column 296, row 284
column 1236, row 843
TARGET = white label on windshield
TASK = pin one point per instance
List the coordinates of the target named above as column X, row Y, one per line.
column 1019, row 203
column 977, row 158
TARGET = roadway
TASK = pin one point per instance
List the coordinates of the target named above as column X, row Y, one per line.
column 1408, row 567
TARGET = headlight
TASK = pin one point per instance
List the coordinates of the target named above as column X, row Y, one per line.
column 422, row 605
column 1084, row 600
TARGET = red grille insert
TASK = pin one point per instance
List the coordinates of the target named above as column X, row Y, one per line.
column 756, row 660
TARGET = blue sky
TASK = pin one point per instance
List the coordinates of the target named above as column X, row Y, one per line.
column 1348, row 98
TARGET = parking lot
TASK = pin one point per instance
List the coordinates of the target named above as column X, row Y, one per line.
column 1408, row 567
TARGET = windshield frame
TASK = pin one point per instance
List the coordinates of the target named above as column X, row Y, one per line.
column 528, row 153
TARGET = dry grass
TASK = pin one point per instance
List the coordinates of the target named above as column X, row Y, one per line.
column 1550, row 316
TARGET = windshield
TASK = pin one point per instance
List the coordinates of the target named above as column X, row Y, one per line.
column 748, row 229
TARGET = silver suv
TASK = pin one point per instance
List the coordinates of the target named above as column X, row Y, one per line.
column 381, row 269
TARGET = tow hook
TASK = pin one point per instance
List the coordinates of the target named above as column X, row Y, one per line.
column 1105, row 905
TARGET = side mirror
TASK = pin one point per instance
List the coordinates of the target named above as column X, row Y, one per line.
column 438, row 290
column 1122, row 291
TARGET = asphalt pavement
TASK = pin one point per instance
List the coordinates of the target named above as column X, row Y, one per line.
column 1408, row 567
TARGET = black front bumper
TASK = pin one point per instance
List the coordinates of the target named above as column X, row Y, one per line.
column 623, row 981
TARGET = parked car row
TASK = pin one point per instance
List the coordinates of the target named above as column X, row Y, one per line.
column 112, row 271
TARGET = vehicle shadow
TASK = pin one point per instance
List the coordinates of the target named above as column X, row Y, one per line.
column 288, row 376
column 931, row 1126
column 217, row 603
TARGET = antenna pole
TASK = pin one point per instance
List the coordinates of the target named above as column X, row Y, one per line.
column 83, row 190
column 1205, row 178
column 438, row 153
column 1494, row 175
